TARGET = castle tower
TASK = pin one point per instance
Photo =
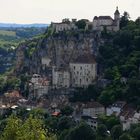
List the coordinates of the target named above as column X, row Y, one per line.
column 117, row 14
column 117, row 19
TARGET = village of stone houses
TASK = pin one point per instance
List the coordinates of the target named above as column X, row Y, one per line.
column 64, row 69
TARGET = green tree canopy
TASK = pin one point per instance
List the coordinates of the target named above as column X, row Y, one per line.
column 81, row 132
column 81, row 24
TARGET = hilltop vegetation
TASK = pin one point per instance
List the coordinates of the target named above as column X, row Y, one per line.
column 119, row 64
column 120, row 61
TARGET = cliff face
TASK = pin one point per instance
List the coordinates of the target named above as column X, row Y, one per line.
column 61, row 48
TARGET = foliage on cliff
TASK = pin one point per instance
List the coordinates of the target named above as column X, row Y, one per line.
column 120, row 61
column 119, row 64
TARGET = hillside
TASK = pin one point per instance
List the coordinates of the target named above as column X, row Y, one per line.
column 7, row 33
column 10, row 39
column 117, row 84
column 14, row 25
column 61, row 48
column 117, row 54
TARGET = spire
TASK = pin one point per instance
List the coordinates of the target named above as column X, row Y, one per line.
column 117, row 11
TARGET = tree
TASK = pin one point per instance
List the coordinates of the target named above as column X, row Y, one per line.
column 30, row 129
column 63, row 135
column 81, row 132
column 67, row 110
column 136, row 133
column 124, row 19
column 116, row 132
column 11, row 83
column 39, row 113
column 102, row 130
column 11, row 129
column 51, row 124
column 109, row 121
column 81, row 24
column 65, row 123
column 107, row 96
column 137, row 21
column 124, row 137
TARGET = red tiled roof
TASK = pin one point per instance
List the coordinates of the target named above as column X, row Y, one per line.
column 13, row 94
column 56, row 114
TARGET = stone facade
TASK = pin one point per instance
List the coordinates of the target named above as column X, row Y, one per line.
column 45, row 62
column 65, row 25
column 93, row 109
column 102, row 22
column 128, row 116
column 60, row 78
column 91, row 121
column 115, row 108
column 83, row 71
column 39, row 86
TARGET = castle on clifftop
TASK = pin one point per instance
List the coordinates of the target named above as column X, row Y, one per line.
column 98, row 24
column 101, row 22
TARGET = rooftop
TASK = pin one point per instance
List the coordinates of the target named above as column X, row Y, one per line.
column 102, row 17
column 120, row 104
column 13, row 94
column 117, row 11
column 93, row 105
column 127, row 112
column 86, row 59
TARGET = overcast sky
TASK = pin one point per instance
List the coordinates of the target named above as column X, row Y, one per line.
column 45, row 11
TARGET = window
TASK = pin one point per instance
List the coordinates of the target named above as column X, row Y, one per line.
column 80, row 81
column 81, row 68
column 94, row 127
column 74, row 67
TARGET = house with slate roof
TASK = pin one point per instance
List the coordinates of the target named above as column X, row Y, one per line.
column 106, row 22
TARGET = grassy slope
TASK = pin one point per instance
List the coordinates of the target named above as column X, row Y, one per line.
column 7, row 33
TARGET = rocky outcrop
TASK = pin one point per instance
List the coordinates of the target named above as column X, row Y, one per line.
column 61, row 48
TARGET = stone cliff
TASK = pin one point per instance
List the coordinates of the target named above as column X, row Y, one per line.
column 60, row 48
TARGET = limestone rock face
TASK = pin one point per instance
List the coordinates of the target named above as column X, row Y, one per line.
column 61, row 49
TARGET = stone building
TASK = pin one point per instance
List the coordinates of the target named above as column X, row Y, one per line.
column 45, row 61
column 102, row 22
column 65, row 25
column 39, row 86
column 60, row 78
column 115, row 108
column 91, row 121
column 93, row 109
column 83, row 71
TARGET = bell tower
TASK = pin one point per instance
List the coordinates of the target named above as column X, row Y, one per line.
column 117, row 19
column 117, row 14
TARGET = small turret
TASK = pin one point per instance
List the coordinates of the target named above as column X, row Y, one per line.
column 117, row 19
column 117, row 14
